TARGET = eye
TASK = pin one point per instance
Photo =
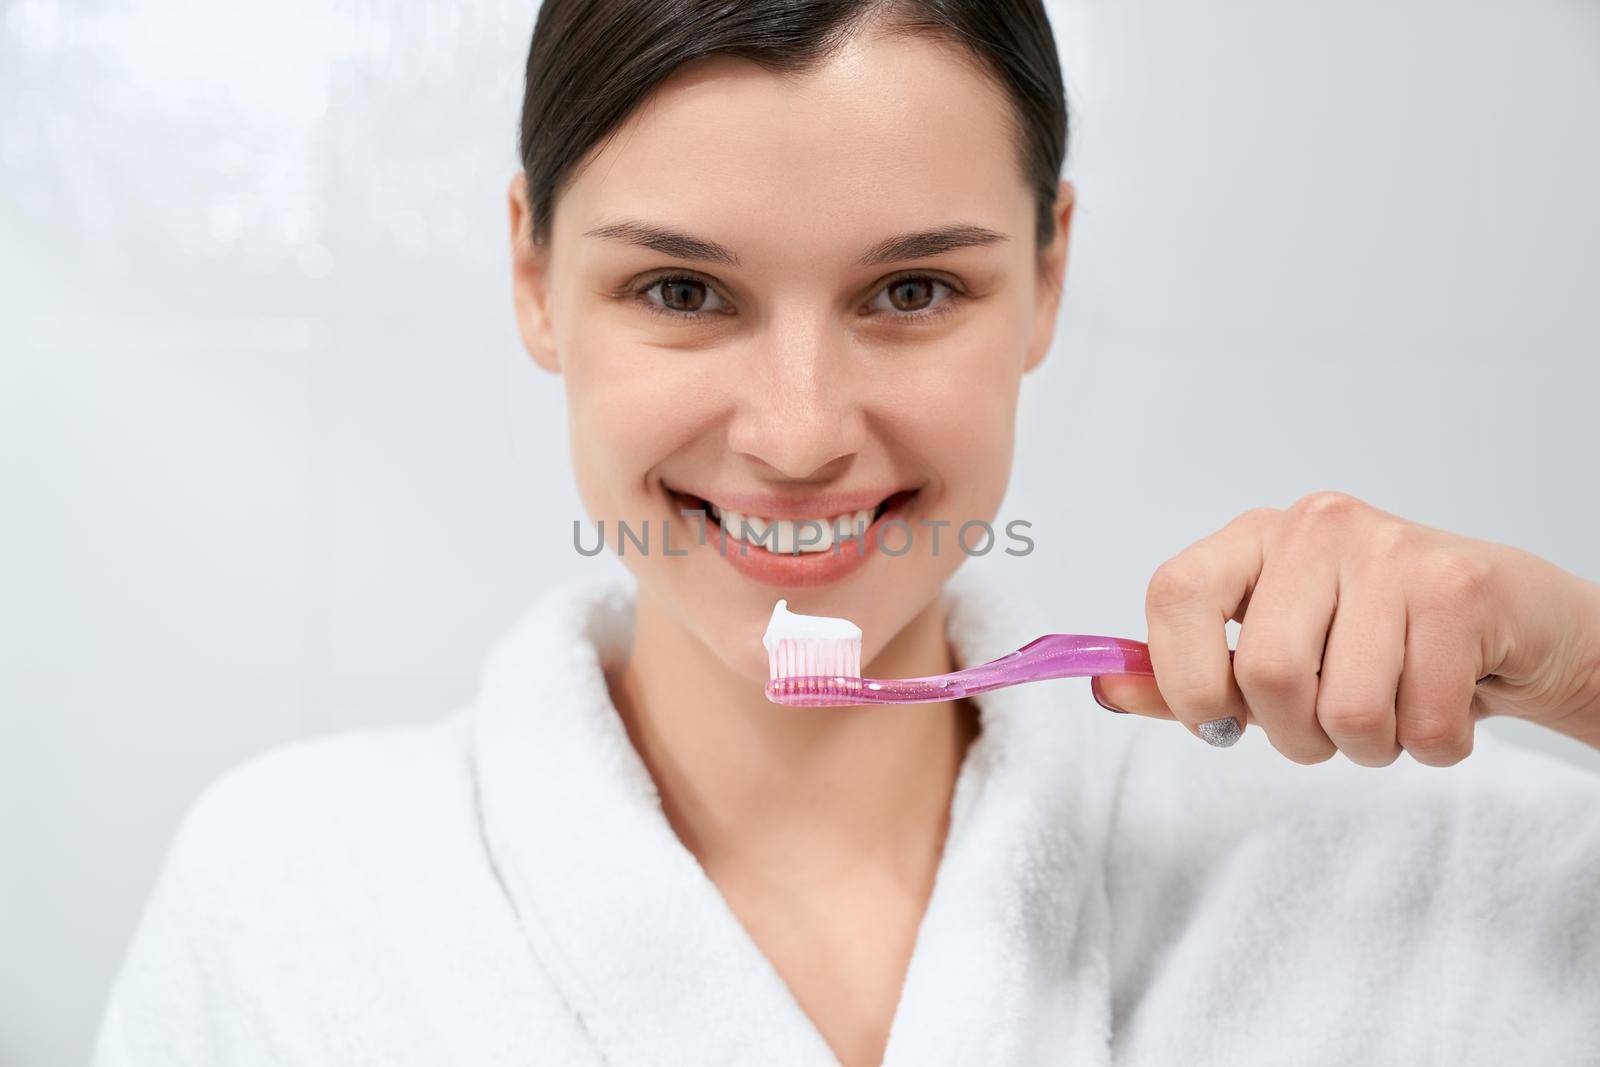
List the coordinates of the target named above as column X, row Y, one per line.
column 908, row 298
column 915, row 296
column 682, row 296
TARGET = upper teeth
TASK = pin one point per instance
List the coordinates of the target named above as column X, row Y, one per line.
column 794, row 535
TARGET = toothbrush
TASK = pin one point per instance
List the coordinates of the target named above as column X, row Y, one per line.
column 815, row 661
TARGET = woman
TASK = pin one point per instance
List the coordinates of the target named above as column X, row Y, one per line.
column 792, row 261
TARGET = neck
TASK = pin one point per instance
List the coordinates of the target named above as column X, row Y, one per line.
column 796, row 793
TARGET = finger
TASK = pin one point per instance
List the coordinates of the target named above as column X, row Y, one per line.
column 1280, row 647
column 1433, row 702
column 1130, row 692
column 1187, row 606
column 1135, row 693
column 1361, row 666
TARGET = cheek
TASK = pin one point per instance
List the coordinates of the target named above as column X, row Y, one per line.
column 628, row 408
column 959, row 417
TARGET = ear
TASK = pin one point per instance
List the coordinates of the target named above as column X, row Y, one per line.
column 530, row 289
column 1052, row 274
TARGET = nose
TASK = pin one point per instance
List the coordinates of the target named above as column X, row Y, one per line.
column 800, row 411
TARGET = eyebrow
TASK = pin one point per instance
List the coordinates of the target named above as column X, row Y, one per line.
column 918, row 245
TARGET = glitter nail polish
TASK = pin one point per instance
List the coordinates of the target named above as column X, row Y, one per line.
column 1220, row 733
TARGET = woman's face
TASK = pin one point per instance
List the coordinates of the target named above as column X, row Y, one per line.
column 735, row 296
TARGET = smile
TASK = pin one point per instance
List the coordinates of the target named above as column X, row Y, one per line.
column 794, row 535
column 795, row 542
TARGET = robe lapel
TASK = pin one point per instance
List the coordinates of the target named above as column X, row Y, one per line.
column 1010, row 961
column 651, row 959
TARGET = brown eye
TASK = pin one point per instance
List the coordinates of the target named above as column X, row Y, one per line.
column 682, row 294
column 911, row 294
column 683, row 297
column 915, row 298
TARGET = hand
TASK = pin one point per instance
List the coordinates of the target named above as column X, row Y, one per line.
column 1365, row 634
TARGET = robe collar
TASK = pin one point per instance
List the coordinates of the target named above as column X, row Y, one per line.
column 1010, row 960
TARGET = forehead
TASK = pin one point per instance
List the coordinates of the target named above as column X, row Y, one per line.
column 888, row 134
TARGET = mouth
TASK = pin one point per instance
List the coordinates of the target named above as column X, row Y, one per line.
column 798, row 529
column 791, row 542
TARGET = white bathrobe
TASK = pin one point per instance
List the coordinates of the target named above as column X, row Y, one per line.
column 501, row 887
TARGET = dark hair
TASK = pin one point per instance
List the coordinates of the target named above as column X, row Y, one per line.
column 593, row 61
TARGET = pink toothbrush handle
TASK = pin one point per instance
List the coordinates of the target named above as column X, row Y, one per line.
column 1050, row 656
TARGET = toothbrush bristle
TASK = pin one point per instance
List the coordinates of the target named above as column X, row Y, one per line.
column 815, row 672
column 813, row 657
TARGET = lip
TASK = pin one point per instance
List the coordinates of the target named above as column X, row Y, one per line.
column 803, row 570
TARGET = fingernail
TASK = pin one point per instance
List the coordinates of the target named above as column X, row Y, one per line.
column 1219, row 733
column 1100, row 698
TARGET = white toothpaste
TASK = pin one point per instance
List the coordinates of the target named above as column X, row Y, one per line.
column 799, row 645
column 788, row 626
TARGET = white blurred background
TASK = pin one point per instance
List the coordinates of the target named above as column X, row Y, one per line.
column 273, row 462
